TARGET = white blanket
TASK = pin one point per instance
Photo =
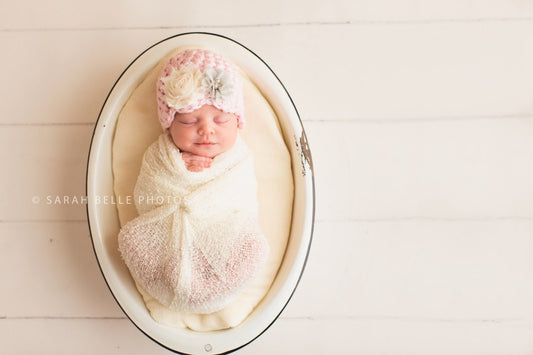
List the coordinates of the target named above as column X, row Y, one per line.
column 196, row 243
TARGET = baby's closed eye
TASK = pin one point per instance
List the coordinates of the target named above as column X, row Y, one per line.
column 222, row 119
column 187, row 121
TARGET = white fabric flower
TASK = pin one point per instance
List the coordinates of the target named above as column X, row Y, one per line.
column 217, row 83
column 183, row 87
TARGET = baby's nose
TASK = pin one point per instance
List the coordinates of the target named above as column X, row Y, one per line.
column 206, row 129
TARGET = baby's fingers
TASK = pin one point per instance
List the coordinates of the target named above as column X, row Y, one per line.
column 195, row 168
column 200, row 161
column 196, row 163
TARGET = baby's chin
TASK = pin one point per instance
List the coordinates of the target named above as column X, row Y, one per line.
column 208, row 151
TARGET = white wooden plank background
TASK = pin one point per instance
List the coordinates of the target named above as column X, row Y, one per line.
column 420, row 118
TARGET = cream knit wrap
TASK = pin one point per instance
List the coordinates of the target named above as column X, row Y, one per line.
column 196, row 243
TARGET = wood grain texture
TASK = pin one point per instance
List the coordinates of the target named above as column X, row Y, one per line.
column 51, row 272
column 450, row 169
column 344, row 72
column 85, row 14
column 289, row 336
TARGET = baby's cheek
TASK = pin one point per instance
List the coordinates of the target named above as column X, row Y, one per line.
column 182, row 139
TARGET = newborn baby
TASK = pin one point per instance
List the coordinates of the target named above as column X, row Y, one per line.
column 196, row 243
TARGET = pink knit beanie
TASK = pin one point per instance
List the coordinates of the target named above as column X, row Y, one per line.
column 197, row 77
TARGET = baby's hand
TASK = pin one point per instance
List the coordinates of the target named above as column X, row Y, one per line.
column 195, row 162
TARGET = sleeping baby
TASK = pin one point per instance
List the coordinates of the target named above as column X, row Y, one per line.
column 196, row 243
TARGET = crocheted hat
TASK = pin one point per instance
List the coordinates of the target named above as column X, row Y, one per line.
column 197, row 77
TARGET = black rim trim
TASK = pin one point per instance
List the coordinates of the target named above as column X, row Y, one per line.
column 312, row 185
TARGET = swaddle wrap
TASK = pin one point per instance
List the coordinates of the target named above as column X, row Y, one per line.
column 196, row 242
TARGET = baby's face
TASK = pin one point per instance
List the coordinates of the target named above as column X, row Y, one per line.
column 207, row 131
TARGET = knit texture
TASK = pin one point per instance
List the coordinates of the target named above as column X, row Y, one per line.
column 205, row 62
column 196, row 243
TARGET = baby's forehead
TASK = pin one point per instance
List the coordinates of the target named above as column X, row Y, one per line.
column 205, row 111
